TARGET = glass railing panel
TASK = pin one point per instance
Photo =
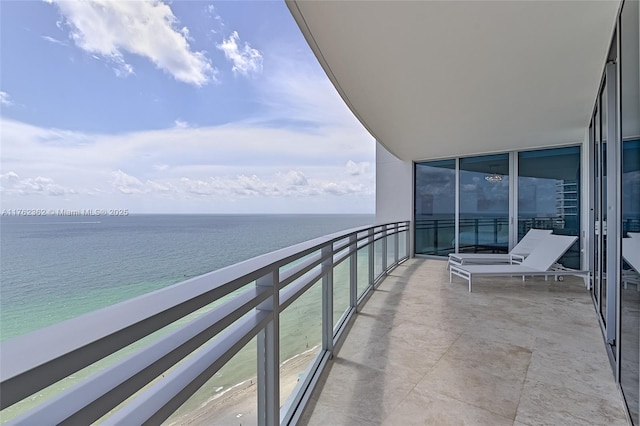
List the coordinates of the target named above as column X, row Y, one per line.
column 377, row 251
column 391, row 247
column 341, row 290
column 296, row 262
column 99, row 366
column 484, row 235
column 402, row 244
column 300, row 338
column 363, row 269
column 229, row 397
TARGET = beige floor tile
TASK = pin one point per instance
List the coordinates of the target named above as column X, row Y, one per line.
column 433, row 408
column 497, row 358
column 574, row 370
column 323, row 415
column 423, row 351
column 542, row 403
column 499, row 395
column 359, row 391
column 504, row 332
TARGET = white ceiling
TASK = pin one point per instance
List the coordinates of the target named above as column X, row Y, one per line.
column 433, row 79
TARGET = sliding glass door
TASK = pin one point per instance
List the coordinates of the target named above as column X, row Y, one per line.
column 484, row 204
column 629, row 266
column 469, row 204
column 606, row 154
column 435, row 207
column 549, row 195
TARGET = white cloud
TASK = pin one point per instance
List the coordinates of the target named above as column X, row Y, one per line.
column 5, row 99
column 13, row 184
column 295, row 178
column 127, row 184
column 146, row 28
column 217, row 21
column 296, row 89
column 356, row 169
column 319, row 160
column 246, row 60
column 342, row 188
column 54, row 40
column 290, row 184
column 122, row 69
column 230, row 168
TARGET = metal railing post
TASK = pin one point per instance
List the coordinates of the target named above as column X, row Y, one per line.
column 371, row 257
column 268, row 380
column 407, row 241
column 353, row 271
column 327, row 299
column 396, row 244
column 384, row 249
column 435, row 237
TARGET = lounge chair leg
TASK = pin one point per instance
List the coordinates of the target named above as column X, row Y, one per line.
column 469, row 284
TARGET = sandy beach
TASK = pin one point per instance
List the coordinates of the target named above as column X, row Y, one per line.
column 238, row 405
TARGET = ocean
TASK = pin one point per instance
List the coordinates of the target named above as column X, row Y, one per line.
column 55, row 268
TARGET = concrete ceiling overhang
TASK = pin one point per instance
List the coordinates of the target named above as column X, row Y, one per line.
column 433, row 79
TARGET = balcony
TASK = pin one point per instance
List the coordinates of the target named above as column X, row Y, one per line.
column 423, row 351
column 408, row 347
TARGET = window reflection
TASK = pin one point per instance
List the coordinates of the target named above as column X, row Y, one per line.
column 435, row 207
column 630, row 130
column 549, row 195
column 484, row 204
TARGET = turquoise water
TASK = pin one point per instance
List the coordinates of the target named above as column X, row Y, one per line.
column 57, row 268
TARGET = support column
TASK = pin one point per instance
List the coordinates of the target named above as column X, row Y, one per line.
column 268, row 380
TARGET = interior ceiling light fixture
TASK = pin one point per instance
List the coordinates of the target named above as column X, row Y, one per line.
column 493, row 178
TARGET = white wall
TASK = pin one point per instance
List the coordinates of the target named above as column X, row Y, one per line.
column 394, row 187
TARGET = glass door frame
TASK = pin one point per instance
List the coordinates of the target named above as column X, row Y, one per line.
column 604, row 253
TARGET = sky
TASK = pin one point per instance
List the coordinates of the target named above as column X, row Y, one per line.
column 173, row 107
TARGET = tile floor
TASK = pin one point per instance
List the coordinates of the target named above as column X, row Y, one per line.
column 426, row 352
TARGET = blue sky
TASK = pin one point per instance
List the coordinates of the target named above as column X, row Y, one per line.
column 175, row 107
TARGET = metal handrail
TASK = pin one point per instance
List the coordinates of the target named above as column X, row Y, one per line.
column 39, row 359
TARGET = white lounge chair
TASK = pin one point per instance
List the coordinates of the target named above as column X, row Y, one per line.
column 539, row 262
column 631, row 254
column 516, row 255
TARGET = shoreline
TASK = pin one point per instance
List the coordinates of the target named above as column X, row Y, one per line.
column 237, row 405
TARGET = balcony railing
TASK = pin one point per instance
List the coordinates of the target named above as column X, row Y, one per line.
column 155, row 380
